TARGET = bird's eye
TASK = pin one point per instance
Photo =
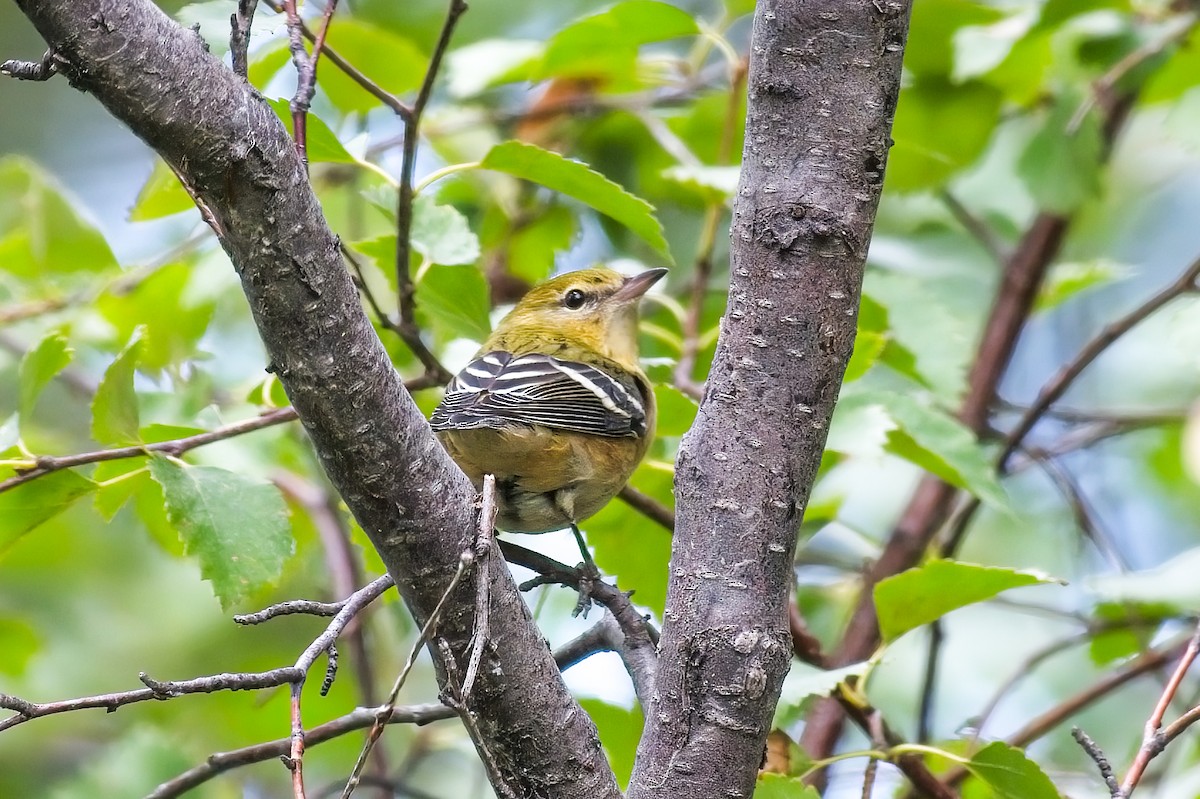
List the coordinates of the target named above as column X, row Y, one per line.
column 574, row 299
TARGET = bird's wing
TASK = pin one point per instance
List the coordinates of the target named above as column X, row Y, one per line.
column 499, row 389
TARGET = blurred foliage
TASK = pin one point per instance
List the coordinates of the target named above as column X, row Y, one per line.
column 558, row 136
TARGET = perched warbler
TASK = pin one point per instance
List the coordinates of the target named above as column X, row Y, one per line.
column 555, row 404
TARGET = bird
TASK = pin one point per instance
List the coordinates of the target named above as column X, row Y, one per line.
column 555, row 404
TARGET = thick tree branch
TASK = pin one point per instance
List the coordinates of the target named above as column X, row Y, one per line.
column 802, row 221
column 409, row 497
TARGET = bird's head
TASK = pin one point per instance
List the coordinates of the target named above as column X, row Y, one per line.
column 596, row 308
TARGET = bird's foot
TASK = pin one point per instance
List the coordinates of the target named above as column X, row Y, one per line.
column 588, row 577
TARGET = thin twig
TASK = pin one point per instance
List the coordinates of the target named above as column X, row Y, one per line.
column 567, row 655
column 1042, row 724
column 1066, row 376
column 639, row 649
column 1103, row 87
column 48, row 464
column 465, row 561
column 978, row 229
column 295, row 757
column 649, row 507
column 408, row 165
column 929, row 682
column 483, row 601
column 239, row 36
column 1152, row 740
column 1054, row 389
column 371, row 87
column 221, row 762
column 372, row 591
column 685, row 379
column 42, row 70
column 155, row 689
column 1097, row 755
column 458, row 701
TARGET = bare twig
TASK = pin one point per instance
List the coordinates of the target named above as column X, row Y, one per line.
column 457, row 700
column 363, row 717
column 594, row 640
column 1097, row 754
column 1066, row 376
column 371, row 87
column 1102, row 89
column 685, row 379
column 155, row 689
column 466, row 560
column 1040, row 725
column 404, row 202
column 1153, row 742
column 648, row 506
column 369, row 593
column 978, row 229
column 239, row 36
column 483, row 546
column 42, row 70
column 1054, row 389
column 929, row 683
column 294, row 761
column 47, row 464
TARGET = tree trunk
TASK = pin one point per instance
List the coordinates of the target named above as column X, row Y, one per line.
column 824, row 78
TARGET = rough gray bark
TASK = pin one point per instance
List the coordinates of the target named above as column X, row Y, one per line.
column 824, row 78
column 413, row 502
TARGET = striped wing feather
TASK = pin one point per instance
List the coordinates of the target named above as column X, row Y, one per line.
column 499, row 389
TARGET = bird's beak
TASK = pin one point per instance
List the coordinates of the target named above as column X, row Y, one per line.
column 634, row 287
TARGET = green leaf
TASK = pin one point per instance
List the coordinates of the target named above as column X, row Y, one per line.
column 1010, row 774
column 38, row 367
column 266, row 62
column 781, row 786
column 1068, row 279
column 164, row 303
column 978, row 49
column 442, row 234
column 236, row 527
column 533, row 247
column 161, row 195
column 19, row 643
column 919, row 596
column 931, row 32
column 1061, row 164
column 321, row 144
column 1173, row 584
column 577, row 180
column 42, row 235
column 804, row 681
column 115, row 407
column 111, row 493
column 939, row 129
column 868, row 347
column 606, row 44
column 455, row 300
column 618, row 530
column 390, row 61
column 620, row 730
column 936, row 442
column 873, row 318
column 676, row 410
column 28, row 505
column 1180, row 74
column 710, row 183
